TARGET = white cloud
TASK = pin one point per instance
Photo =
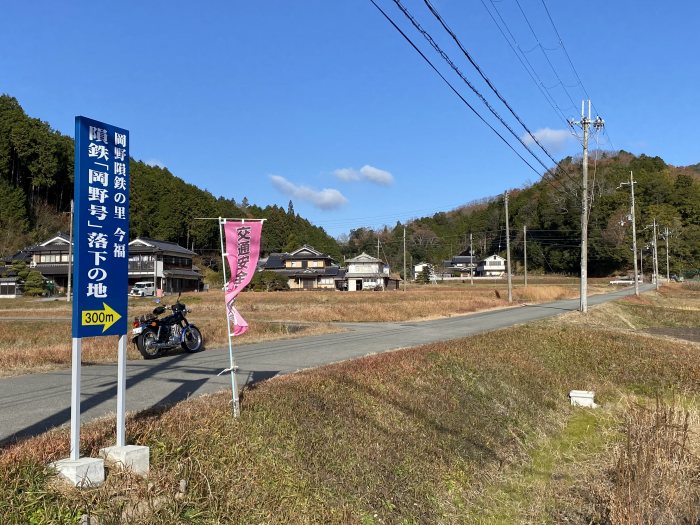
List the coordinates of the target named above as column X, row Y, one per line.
column 347, row 174
column 376, row 175
column 366, row 172
column 325, row 199
column 552, row 139
column 155, row 163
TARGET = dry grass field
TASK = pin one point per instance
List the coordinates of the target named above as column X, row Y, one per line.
column 477, row 430
column 36, row 334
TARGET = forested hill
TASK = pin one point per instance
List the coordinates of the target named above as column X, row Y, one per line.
column 551, row 210
column 36, row 186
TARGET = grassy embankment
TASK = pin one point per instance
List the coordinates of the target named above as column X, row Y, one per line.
column 30, row 345
column 477, row 430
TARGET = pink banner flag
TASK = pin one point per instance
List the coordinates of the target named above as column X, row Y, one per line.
column 242, row 252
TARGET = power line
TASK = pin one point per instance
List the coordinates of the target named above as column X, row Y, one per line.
column 440, row 19
column 454, row 67
column 483, row 75
column 561, row 43
column 546, row 56
column 524, row 61
column 571, row 63
column 454, row 90
column 449, row 61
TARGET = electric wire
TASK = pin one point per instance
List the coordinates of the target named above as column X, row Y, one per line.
column 471, row 60
column 546, row 56
column 454, row 67
column 571, row 63
column 561, row 43
column 449, row 84
column 525, row 62
column 449, row 61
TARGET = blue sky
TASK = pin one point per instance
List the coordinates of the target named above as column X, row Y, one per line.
column 323, row 102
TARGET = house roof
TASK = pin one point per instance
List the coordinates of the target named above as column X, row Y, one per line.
column 146, row 244
column 54, row 247
column 462, row 259
column 51, row 269
column 357, row 275
column 363, row 257
column 328, row 271
column 305, row 251
column 60, row 238
column 182, row 274
column 273, row 261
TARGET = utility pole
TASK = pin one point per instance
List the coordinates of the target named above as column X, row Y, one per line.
column 525, row 251
column 666, row 234
column 404, row 259
column 585, row 123
column 656, row 258
column 631, row 183
column 471, row 260
column 510, row 281
column 377, row 247
column 70, row 253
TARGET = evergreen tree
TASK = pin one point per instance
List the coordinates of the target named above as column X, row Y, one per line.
column 34, row 283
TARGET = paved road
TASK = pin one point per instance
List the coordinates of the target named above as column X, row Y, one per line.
column 32, row 404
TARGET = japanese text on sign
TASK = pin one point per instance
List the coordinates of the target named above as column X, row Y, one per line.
column 102, row 226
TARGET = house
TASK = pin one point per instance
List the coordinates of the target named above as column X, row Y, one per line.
column 10, row 284
column 460, row 264
column 50, row 258
column 309, row 269
column 492, row 266
column 369, row 273
column 306, row 269
column 418, row 271
column 167, row 264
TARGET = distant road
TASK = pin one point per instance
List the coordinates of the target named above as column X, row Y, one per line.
column 32, row 404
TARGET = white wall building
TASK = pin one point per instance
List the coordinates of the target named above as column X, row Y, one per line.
column 492, row 266
column 368, row 273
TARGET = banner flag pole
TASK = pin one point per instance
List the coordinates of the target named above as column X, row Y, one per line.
column 234, row 384
column 244, row 262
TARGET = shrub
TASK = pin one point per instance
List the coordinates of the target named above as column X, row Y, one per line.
column 34, row 284
column 268, row 281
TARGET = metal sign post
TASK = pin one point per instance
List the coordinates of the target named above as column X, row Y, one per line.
column 100, row 269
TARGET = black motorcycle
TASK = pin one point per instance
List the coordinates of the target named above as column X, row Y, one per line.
column 154, row 336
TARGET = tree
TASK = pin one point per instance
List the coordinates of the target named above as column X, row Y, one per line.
column 34, row 283
column 426, row 274
column 290, row 208
column 21, row 269
column 268, row 281
column 13, row 218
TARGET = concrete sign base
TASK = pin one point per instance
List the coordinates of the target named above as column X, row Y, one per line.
column 81, row 473
column 582, row 398
column 130, row 457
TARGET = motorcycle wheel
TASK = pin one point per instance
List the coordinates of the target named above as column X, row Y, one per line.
column 145, row 343
column 192, row 339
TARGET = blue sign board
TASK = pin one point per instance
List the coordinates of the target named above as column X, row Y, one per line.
column 101, row 232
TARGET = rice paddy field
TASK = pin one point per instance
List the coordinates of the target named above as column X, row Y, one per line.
column 36, row 333
column 475, row 430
